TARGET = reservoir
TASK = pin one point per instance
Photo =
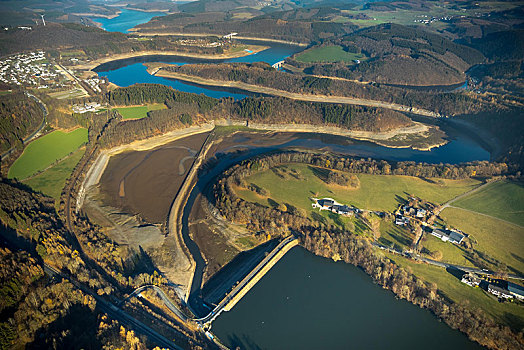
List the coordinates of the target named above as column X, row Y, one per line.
column 131, row 71
column 126, row 20
column 309, row 302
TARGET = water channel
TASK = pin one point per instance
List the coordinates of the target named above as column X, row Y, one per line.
column 307, row 302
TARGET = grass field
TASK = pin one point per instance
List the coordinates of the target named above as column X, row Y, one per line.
column 46, row 150
column 52, row 181
column 376, row 192
column 502, row 199
column 507, row 313
column 451, row 253
column 328, row 54
column 500, row 240
column 138, row 112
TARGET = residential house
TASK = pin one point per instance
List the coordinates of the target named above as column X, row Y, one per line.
column 448, row 235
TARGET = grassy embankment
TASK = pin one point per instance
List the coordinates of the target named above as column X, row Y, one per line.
column 46, row 150
column 138, row 112
column 329, row 54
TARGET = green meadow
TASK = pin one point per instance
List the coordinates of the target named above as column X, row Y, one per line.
column 45, row 151
column 138, row 112
column 328, row 54
column 296, row 183
column 52, row 181
column 501, row 199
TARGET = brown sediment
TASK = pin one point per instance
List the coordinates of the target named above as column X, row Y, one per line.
column 152, row 178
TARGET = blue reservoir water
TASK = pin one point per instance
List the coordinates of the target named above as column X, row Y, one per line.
column 126, row 20
column 307, row 302
column 130, row 71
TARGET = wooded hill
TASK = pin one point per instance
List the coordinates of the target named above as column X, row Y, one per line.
column 399, row 55
column 186, row 108
column 302, row 25
column 262, row 74
column 19, row 116
column 95, row 42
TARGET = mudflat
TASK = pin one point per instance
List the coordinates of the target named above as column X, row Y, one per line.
column 146, row 182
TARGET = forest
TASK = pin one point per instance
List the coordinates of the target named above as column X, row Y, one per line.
column 261, row 74
column 41, row 310
column 94, row 42
column 299, row 25
column 186, row 108
column 19, row 116
column 330, row 242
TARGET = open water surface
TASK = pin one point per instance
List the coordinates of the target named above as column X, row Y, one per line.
column 126, row 20
column 309, row 302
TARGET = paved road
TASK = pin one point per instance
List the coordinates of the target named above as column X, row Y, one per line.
column 220, row 307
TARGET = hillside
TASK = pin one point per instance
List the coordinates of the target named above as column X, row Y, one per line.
column 94, row 42
column 19, row 116
column 400, row 55
column 302, row 25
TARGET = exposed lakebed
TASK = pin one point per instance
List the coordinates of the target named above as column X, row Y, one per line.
column 305, row 302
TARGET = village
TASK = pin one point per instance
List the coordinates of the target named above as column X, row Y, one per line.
column 30, row 69
column 420, row 217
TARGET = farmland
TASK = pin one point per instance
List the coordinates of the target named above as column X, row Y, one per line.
column 499, row 239
column 51, row 181
column 502, row 199
column 45, row 151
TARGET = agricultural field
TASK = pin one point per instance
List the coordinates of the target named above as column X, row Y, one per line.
column 52, row 181
column 502, row 199
column 499, row 239
column 296, row 183
column 45, row 151
column 510, row 314
column 138, row 112
column 329, row 54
